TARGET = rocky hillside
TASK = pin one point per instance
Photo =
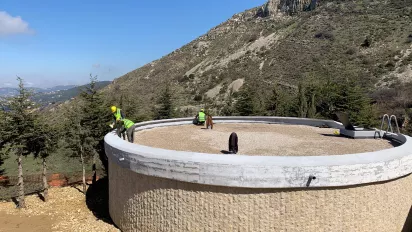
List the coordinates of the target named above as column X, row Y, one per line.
column 282, row 43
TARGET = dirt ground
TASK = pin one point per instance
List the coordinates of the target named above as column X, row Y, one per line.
column 258, row 139
column 66, row 210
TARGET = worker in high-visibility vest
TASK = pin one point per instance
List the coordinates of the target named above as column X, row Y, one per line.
column 118, row 117
column 129, row 127
column 200, row 118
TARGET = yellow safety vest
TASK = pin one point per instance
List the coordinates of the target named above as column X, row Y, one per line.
column 128, row 123
column 202, row 117
column 118, row 115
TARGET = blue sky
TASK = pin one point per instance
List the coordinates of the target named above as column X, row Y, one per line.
column 52, row 42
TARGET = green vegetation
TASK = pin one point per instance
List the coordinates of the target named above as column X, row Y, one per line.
column 18, row 133
column 46, row 144
column 165, row 107
column 87, row 125
column 303, row 103
column 245, row 105
column 321, row 98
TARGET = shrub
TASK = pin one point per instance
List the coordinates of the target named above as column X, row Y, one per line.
column 325, row 35
column 409, row 39
column 252, row 38
column 390, row 65
column 183, row 79
column 350, row 51
column 198, row 98
column 366, row 43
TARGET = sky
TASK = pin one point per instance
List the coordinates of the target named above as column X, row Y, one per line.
column 52, row 42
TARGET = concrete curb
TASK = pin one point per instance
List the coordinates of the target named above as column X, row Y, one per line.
column 261, row 171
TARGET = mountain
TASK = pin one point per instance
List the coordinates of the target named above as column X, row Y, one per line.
column 61, row 93
column 10, row 91
column 281, row 43
column 51, row 95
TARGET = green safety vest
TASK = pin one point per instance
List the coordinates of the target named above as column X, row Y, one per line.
column 202, row 117
column 118, row 115
column 128, row 123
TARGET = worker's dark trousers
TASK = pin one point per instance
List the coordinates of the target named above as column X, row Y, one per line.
column 130, row 134
column 120, row 130
column 197, row 122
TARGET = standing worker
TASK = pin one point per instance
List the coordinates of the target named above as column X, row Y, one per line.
column 118, row 121
column 200, row 118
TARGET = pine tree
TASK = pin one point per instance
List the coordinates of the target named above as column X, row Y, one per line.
column 78, row 138
column 273, row 102
column 130, row 106
column 165, row 110
column 96, row 116
column 18, row 132
column 227, row 109
column 3, row 149
column 46, row 143
column 245, row 104
column 87, row 126
column 359, row 107
column 329, row 93
column 346, row 96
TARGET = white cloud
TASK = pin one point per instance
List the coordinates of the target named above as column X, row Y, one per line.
column 96, row 65
column 7, row 84
column 10, row 25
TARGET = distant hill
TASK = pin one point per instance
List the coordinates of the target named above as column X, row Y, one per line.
column 48, row 96
column 11, row 91
column 7, row 92
column 59, row 94
column 59, row 87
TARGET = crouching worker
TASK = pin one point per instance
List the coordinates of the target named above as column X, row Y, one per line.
column 129, row 128
column 200, row 118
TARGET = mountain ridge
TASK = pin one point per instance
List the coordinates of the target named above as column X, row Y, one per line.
column 273, row 45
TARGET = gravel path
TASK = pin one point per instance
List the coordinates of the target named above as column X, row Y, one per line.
column 66, row 210
column 258, row 139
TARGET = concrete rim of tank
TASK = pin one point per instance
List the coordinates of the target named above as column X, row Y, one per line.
column 261, row 171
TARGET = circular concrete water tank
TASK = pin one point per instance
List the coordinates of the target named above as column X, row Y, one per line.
column 153, row 189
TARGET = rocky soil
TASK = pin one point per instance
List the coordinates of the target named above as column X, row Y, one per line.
column 66, row 210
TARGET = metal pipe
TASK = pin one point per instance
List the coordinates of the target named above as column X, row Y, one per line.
column 311, row 177
column 396, row 122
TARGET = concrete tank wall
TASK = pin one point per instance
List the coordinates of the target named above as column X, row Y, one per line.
column 153, row 189
column 144, row 203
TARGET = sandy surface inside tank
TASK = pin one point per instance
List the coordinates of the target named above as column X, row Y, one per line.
column 258, row 139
